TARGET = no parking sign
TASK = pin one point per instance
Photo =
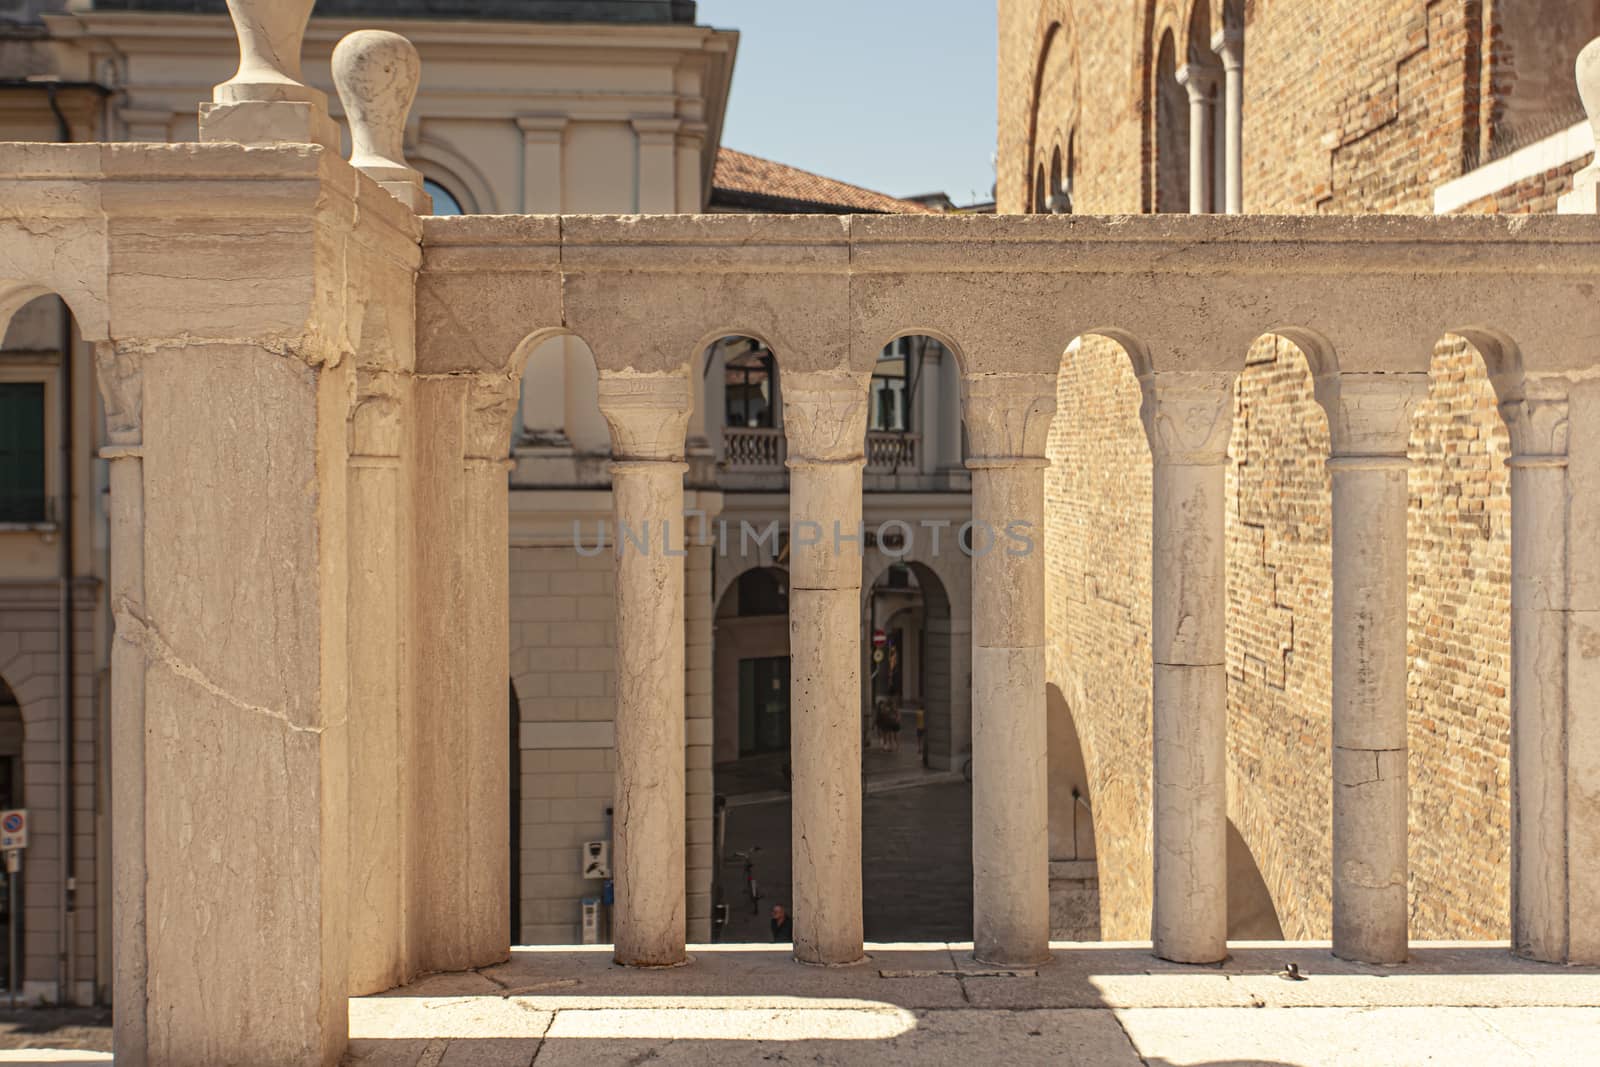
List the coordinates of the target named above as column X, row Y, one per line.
column 13, row 830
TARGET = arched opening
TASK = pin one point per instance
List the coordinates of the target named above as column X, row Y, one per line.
column 907, row 713
column 1039, row 190
column 1171, row 116
column 741, row 409
column 1058, row 204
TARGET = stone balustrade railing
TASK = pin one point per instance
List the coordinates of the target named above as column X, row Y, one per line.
column 752, row 448
column 889, row 453
column 310, row 394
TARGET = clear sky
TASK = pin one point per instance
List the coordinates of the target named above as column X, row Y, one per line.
column 894, row 95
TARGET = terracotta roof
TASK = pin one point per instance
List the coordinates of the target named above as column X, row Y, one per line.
column 751, row 183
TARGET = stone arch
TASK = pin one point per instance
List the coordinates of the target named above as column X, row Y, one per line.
column 558, row 380
column 1197, row 32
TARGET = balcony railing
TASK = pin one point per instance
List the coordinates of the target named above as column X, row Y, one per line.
column 892, row 453
column 752, row 448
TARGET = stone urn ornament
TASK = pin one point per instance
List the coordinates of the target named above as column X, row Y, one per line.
column 270, row 35
column 1585, row 195
column 377, row 73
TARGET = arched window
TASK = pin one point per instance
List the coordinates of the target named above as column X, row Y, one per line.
column 444, row 201
column 1172, row 131
column 750, row 386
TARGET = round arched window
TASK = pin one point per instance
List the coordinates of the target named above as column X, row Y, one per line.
column 444, row 201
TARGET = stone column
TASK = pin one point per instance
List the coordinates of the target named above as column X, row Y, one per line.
column 825, row 416
column 649, row 417
column 1369, row 423
column 1201, row 82
column 1188, row 419
column 1229, row 44
column 1008, row 420
column 1537, row 419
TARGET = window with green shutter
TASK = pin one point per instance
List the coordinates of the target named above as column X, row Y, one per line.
column 22, row 489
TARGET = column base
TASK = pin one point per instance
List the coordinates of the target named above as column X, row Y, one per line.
column 687, row 959
column 1002, row 963
column 1189, row 957
column 824, row 965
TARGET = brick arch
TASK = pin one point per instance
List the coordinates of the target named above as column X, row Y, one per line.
column 1055, row 28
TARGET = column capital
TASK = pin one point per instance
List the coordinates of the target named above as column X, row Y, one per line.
column 1007, row 416
column 1188, row 417
column 1536, row 416
column 491, row 407
column 543, row 129
column 656, row 130
column 825, row 416
column 1201, row 79
column 1228, row 44
column 377, row 417
column 120, row 375
column 648, row 414
column 1369, row 415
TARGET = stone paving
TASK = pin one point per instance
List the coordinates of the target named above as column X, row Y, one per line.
column 916, row 843
column 1094, row 1004
column 1099, row 1004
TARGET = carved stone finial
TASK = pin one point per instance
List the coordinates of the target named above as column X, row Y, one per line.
column 1585, row 196
column 377, row 73
column 266, row 102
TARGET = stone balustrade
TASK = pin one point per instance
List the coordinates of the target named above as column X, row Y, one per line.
column 310, row 394
column 888, row 453
column 758, row 448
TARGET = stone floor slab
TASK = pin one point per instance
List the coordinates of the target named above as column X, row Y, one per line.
column 1361, row 1037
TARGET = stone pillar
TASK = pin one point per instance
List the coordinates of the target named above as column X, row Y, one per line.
column 1008, row 420
column 1229, row 44
column 691, row 146
column 826, row 423
column 1201, row 82
column 1538, row 421
column 1188, row 419
column 649, row 417
column 212, row 746
column 460, row 867
column 1369, row 423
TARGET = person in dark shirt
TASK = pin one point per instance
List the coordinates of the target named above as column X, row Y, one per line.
column 782, row 924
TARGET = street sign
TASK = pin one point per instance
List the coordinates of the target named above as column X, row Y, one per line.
column 597, row 859
column 879, row 638
column 13, row 829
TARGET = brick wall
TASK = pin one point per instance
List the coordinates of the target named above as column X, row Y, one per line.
column 1357, row 105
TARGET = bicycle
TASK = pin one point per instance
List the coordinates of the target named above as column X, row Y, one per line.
column 750, row 884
